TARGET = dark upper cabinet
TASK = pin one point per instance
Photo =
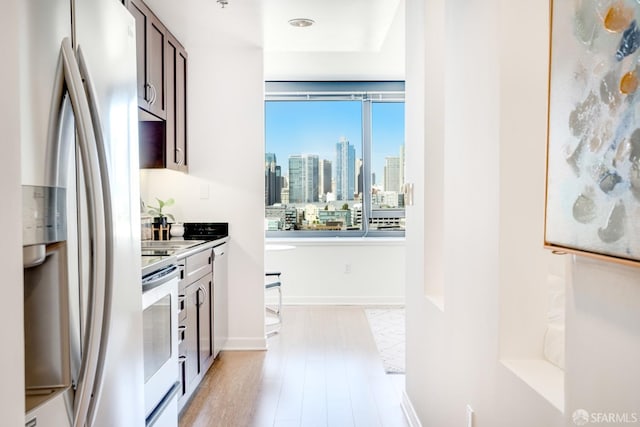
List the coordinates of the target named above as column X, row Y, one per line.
column 176, row 125
column 150, row 40
column 162, row 92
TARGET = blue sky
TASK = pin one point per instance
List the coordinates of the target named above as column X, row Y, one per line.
column 314, row 127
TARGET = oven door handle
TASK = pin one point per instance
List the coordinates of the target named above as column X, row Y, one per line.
column 159, row 277
column 166, row 401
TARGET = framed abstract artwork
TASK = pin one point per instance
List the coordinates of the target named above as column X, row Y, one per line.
column 593, row 144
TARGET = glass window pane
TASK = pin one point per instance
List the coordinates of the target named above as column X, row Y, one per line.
column 313, row 165
column 387, row 166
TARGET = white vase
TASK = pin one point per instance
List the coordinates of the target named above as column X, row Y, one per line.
column 177, row 230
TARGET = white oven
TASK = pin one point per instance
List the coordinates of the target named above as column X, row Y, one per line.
column 160, row 333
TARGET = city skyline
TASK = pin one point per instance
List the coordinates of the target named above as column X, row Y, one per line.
column 314, row 127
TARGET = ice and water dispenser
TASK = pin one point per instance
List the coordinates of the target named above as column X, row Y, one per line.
column 46, row 296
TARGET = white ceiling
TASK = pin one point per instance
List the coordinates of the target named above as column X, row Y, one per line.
column 340, row 25
column 350, row 40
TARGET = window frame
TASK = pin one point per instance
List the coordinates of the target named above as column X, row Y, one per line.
column 368, row 92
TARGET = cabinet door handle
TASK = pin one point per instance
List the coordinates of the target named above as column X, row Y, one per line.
column 147, row 89
column 179, row 159
column 154, row 94
column 204, row 295
column 199, row 301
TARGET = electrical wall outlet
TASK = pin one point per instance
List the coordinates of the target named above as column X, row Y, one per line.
column 347, row 269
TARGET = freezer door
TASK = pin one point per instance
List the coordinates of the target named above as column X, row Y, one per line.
column 43, row 25
column 105, row 43
column 48, row 364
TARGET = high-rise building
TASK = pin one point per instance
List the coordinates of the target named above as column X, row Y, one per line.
column 272, row 180
column 359, row 176
column 303, row 178
column 345, row 170
column 392, row 174
column 324, row 180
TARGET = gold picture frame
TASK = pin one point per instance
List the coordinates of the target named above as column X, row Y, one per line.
column 592, row 203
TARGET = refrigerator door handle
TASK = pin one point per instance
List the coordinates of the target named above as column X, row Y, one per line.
column 87, row 385
column 107, row 215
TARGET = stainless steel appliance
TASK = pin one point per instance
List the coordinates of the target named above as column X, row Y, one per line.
column 81, row 223
column 160, row 332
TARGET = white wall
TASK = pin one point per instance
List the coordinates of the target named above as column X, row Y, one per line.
column 226, row 156
column 12, row 357
column 603, row 338
column 352, row 271
column 490, row 56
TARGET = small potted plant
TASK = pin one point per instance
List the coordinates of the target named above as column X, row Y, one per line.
column 160, row 222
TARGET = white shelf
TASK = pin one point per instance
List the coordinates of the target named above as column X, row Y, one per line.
column 543, row 377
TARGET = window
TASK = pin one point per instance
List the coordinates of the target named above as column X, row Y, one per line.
column 334, row 159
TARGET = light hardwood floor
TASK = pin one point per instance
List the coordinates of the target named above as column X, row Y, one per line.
column 322, row 369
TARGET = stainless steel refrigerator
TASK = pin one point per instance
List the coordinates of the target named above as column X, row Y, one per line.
column 81, row 225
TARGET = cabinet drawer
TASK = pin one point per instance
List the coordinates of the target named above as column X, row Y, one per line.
column 198, row 265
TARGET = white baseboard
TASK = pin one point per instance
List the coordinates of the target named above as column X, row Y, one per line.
column 245, row 344
column 340, row 300
column 409, row 412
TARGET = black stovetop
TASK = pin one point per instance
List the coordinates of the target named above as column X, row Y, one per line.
column 205, row 230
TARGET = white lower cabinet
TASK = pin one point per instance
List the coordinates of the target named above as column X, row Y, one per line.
column 220, row 298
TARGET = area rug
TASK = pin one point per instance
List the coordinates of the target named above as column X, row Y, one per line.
column 387, row 327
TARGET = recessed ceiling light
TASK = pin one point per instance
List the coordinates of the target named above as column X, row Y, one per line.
column 301, row 22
